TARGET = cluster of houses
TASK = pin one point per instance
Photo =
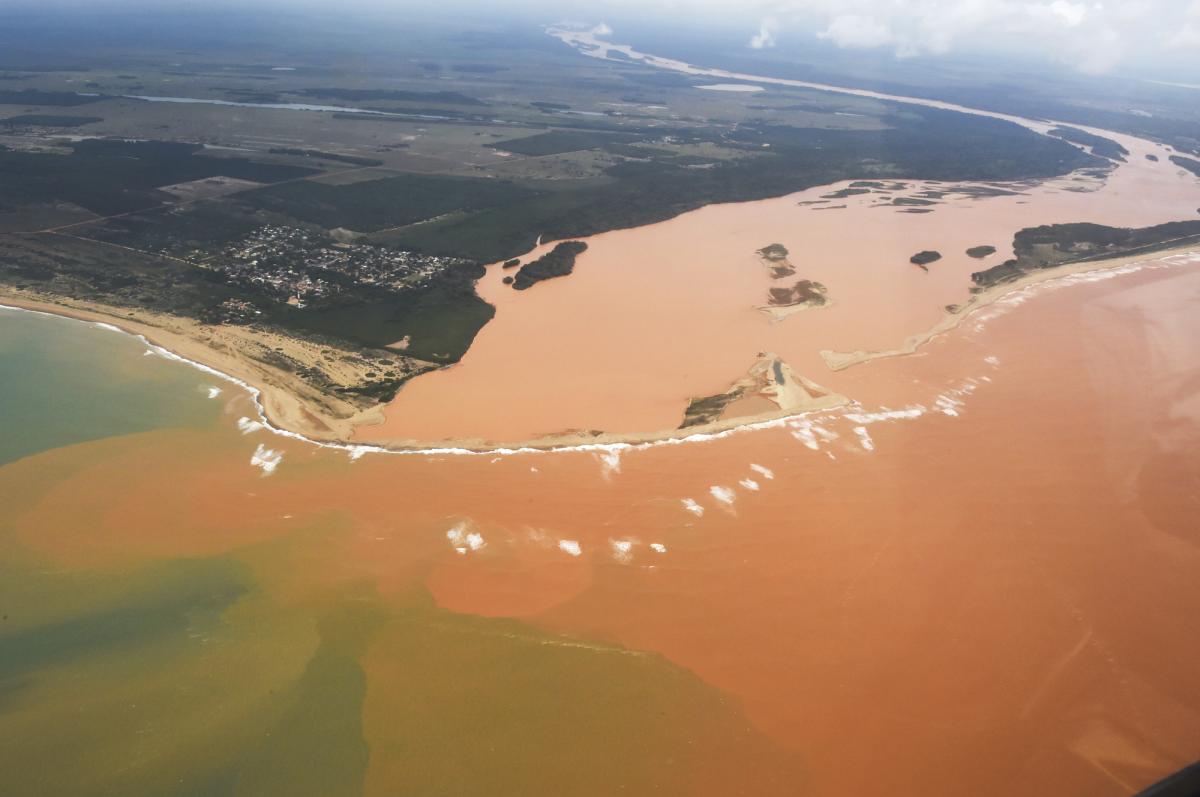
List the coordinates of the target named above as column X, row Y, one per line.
column 297, row 266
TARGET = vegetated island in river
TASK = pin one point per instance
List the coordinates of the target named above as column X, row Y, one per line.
column 1045, row 253
column 924, row 258
column 782, row 302
column 558, row 262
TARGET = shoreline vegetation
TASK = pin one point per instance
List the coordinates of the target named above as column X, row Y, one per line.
column 558, row 262
column 295, row 408
column 956, row 314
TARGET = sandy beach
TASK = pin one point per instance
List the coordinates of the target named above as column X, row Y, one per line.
column 294, row 407
column 287, row 402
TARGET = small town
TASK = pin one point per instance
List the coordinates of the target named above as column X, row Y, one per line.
column 298, row 266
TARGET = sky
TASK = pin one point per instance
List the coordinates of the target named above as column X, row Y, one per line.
column 1087, row 35
column 1161, row 37
column 1095, row 37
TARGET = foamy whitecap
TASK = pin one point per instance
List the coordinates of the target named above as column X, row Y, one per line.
column 693, row 507
column 463, row 540
column 864, row 438
column 947, row 405
column 213, row 392
column 622, row 550
column 266, row 458
column 570, row 547
column 749, row 484
column 824, row 433
column 804, row 433
column 610, row 462
column 864, row 418
column 722, row 494
column 766, row 473
column 658, row 547
column 246, row 425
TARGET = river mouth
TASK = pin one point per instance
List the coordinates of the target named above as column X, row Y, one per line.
column 656, row 318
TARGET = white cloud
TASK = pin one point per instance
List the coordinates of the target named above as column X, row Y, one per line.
column 766, row 34
column 1187, row 37
column 1091, row 35
column 856, row 30
column 1072, row 14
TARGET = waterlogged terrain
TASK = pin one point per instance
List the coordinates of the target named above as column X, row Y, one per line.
column 979, row 580
column 657, row 317
column 654, row 316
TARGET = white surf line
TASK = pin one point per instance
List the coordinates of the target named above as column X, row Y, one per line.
column 799, row 420
column 357, row 450
column 578, row 40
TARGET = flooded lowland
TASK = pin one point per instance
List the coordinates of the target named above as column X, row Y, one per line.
column 654, row 317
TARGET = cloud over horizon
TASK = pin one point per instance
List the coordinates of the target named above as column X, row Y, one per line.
column 1089, row 35
column 766, row 34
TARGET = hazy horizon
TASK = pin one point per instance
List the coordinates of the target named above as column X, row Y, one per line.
column 1149, row 38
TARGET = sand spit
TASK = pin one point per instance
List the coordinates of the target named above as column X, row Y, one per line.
column 838, row 361
column 286, row 414
column 285, row 409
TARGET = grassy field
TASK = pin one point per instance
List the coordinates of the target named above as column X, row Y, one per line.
column 390, row 202
column 109, row 177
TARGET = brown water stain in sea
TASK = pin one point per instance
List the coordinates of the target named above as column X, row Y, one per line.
column 413, row 685
column 991, row 596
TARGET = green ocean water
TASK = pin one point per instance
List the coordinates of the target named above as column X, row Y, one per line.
column 200, row 653
column 68, row 382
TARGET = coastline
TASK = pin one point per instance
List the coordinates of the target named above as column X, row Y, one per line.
column 838, row 361
column 285, row 402
column 294, row 409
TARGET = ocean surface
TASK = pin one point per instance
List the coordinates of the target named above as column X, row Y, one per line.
column 66, row 382
column 979, row 580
